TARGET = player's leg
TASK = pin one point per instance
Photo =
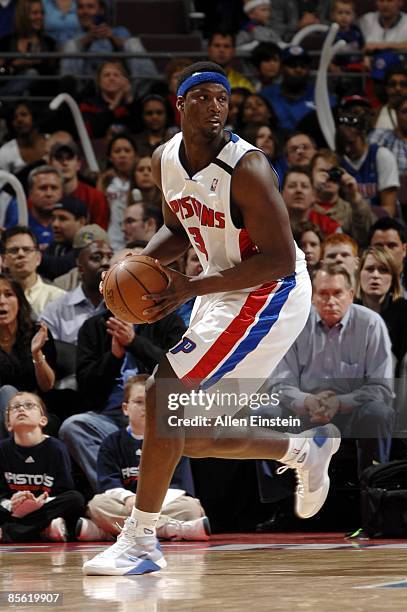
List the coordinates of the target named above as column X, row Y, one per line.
column 137, row 550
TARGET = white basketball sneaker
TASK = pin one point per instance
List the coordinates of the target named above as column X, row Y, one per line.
column 311, row 468
column 128, row 556
column 198, row 530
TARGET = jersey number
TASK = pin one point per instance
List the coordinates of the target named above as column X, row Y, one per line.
column 199, row 241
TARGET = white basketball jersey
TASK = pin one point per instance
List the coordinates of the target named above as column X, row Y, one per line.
column 202, row 203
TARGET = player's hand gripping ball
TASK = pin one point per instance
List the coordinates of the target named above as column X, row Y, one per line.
column 127, row 281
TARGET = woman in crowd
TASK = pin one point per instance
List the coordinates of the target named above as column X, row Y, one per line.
column 265, row 138
column 237, row 97
column 27, row 350
column 115, row 183
column 309, row 238
column 143, row 181
column 157, row 117
column 378, row 288
column 28, row 145
column 28, row 37
column 113, row 104
column 256, row 110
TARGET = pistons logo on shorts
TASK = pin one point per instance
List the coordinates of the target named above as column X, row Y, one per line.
column 185, row 346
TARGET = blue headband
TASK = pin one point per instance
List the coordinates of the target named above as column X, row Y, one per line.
column 203, row 77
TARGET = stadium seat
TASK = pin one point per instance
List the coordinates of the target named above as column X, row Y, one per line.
column 153, row 16
column 189, row 43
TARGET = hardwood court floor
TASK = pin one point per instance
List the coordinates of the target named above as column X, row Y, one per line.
column 236, row 572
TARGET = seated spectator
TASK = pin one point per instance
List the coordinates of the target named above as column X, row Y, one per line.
column 339, row 369
column 65, row 157
column 141, row 221
column 156, row 117
column 378, row 288
column 329, row 180
column 264, row 137
column 266, row 58
column 256, row 110
column 236, row 99
column 391, row 234
column 182, row 517
column 61, row 21
column 115, row 183
column 299, row 150
column 395, row 139
column 28, row 37
column 68, row 216
column 143, row 182
column 38, row 500
column 341, row 250
column 299, row 197
column 84, row 236
column 373, row 167
column 109, row 352
column 385, row 28
column 65, row 316
column 349, row 58
column 358, row 106
column 222, row 51
column 28, row 145
column 289, row 16
column 309, row 238
column 256, row 29
column 294, row 98
column 22, row 257
column 27, row 356
column 395, row 88
column 97, row 36
column 45, row 191
column 113, row 104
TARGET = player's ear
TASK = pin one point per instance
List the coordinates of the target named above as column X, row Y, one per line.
column 180, row 103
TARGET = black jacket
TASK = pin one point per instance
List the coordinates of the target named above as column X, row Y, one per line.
column 97, row 367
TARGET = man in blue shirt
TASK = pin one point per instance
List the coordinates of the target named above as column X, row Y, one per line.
column 340, row 368
column 294, row 97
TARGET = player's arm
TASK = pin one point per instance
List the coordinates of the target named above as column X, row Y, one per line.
column 171, row 240
column 266, row 220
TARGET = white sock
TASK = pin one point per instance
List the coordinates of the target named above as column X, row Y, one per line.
column 145, row 522
column 295, row 446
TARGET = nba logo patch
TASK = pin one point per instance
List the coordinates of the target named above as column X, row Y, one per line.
column 214, row 184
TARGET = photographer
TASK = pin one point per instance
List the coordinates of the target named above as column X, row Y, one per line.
column 330, row 181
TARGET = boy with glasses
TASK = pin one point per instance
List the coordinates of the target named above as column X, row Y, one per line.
column 37, row 496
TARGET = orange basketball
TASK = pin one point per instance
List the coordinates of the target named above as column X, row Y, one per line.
column 127, row 281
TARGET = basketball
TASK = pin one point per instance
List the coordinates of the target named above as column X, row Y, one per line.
column 127, row 281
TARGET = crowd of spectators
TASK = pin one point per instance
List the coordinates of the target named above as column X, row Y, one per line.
column 71, row 370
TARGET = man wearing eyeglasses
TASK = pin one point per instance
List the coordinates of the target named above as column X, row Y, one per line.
column 141, row 221
column 22, row 258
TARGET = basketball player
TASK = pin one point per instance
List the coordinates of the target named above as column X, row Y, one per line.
column 253, row 299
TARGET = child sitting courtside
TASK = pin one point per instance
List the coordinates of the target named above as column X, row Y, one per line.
column 118, row 462
column 37, row 496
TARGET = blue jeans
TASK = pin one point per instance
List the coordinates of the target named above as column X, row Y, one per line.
column 84, row 433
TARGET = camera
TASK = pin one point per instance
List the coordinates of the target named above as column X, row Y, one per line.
column 335, row 174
